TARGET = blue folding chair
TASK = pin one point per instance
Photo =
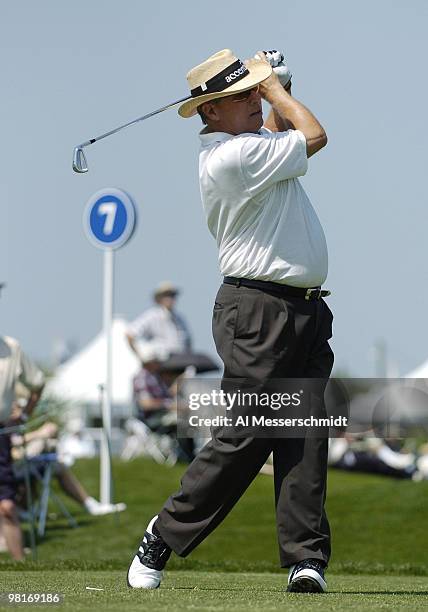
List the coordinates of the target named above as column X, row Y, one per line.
column 42, row 468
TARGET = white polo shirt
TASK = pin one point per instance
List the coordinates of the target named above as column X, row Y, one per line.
column 257, row 210
column 15, row 366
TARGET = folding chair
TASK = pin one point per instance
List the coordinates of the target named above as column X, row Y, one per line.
column 142, row 440
column 42, row 468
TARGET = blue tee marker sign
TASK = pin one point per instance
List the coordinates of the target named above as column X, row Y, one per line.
column 109, row 221
column 109, row 218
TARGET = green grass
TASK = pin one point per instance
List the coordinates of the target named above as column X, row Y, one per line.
column 210, row 591
column 379, row 525
column 379, row 550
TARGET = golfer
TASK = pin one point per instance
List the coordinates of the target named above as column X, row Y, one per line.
column 269, row 318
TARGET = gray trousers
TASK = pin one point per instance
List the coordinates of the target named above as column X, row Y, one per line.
column 260, row 335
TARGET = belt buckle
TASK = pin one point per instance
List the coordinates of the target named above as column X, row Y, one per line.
column 312, row 290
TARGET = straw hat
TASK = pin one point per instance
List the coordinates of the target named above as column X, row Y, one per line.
column 165, row 288
column 222, row 74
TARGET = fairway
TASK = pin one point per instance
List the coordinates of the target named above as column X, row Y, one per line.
column 379, row 550
column 385, row 532
column 234, row 592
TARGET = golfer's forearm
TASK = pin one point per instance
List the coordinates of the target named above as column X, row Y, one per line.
column 295, row 113
column 276, row 123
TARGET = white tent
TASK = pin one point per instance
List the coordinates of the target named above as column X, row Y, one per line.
column 79, row 378
column 419, row 372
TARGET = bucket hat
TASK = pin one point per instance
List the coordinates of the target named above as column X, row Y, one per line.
column 222, row 74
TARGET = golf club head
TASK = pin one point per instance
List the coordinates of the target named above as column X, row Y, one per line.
column 79, row 161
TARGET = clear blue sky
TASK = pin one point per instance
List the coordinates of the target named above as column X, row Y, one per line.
column 71, row 71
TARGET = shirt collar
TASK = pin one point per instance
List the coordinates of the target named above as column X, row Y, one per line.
column 213, row 137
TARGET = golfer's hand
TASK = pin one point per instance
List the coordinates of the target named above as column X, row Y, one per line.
column 272, row 84
column 276, row 60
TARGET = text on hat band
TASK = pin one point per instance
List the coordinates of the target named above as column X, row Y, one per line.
column 233, row 73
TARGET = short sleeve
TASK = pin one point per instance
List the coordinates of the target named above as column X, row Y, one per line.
column 270, row 157
column 142, row 326
column 29, row 374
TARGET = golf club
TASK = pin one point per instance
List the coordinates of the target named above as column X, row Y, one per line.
column 80, row 164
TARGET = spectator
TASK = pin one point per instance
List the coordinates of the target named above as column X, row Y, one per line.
column 44, row 439
column 160, row 326
column 14, row 366
column 156, row 402
column 152, row 397
column 372, row 456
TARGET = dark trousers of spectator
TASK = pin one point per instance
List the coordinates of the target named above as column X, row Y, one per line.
column 261, row 336
column 7, row 478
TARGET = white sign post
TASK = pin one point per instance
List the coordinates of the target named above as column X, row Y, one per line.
column 109, row 221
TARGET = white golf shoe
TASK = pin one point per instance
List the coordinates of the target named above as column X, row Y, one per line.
column 307, row 577
column 146, row 569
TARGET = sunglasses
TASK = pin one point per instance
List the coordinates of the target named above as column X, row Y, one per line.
column 244, row 95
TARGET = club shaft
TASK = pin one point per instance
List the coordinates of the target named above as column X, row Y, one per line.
column 125, row 125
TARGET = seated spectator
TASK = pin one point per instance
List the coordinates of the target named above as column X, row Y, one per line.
column 371, row 455
column 156, row 402
column 44, row 439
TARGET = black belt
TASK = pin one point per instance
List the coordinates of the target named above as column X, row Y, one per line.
column 311, row 293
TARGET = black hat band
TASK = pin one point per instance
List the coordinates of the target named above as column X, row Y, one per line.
column 232, row 74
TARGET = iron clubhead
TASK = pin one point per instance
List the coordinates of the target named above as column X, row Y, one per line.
column 79, row 161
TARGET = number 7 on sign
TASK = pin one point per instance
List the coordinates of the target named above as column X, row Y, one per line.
column 109, row 210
